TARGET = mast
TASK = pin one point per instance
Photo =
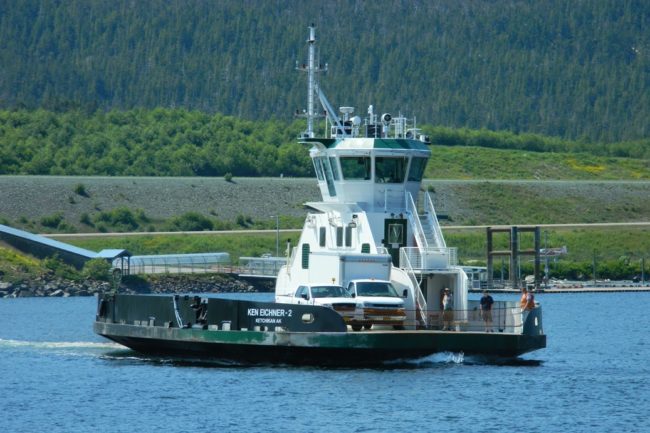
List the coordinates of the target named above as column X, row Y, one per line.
column 312, row 82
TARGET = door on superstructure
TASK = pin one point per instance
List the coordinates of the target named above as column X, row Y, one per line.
column 394, row 237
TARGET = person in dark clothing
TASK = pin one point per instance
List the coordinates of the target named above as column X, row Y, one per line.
column 486, row 310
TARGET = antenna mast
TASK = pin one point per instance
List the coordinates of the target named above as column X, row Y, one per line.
column 312, row 83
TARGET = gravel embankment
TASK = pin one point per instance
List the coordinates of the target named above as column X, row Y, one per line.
column 466, row 202
column 33, row 197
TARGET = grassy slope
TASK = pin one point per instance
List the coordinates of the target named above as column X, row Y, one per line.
column 484, row 163
column 238, row 245
column 617, row 252
column 580, row 198
column 502, row 202
column 24, row 201
column 607, row 243
column 16, row 266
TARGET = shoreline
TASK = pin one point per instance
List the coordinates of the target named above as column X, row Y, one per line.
column 52, row 286
column 586, row 289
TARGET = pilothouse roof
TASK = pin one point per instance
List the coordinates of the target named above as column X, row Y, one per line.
column 369, row 143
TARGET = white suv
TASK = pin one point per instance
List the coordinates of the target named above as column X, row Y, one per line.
column 377, row 302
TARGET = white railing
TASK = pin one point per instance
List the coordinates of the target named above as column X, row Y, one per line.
column 420, row 301
column 173, row 263
column 262, row 266
column 427, row 259
column 433, row 219
column 506, row 317
column 412, row 214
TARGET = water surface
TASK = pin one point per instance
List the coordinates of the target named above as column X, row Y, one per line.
column 57, row 376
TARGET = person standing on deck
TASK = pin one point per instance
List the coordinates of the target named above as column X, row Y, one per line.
column 486, row 310
column 447, row 310
column 527, row 301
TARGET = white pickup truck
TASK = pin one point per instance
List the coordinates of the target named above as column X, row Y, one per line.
column 377, row 302
column 326, row 295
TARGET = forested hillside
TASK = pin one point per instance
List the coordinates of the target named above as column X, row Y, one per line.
column 159, row 142
column 178, row 142
column 576, row 69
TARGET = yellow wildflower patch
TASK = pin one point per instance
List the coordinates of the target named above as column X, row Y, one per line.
column 588, row 168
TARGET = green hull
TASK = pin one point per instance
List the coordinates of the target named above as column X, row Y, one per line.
column 135, row 322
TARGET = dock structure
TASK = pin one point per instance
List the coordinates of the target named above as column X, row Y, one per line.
column 514, row 253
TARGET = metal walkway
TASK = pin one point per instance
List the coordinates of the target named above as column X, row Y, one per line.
column 42, row 247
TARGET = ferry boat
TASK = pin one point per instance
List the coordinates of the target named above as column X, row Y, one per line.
column 374, row 241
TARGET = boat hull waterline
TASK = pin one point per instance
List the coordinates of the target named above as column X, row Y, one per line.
column 363, row 348
column 325, row 340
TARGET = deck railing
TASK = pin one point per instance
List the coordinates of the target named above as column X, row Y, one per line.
column 505, row 319
column 425, row 259
column 175, row 264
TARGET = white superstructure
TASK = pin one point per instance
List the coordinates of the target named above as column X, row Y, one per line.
column 374, row 221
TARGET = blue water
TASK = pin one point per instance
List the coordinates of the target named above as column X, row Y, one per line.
column 594, row 376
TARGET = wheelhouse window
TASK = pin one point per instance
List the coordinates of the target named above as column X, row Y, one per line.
column 390, row 169
column 325, row 171
column 417, row 169
column 329, row 178
column 318, row 166
column 355, row 167
column 335, row 168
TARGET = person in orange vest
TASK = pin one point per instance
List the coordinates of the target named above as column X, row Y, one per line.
column 527, row 301
column 522, row 301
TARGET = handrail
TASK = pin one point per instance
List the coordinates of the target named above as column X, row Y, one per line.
column 412, row 213
column 504, row 320
column 437, row 231
column 420, row 301
column 419, row 257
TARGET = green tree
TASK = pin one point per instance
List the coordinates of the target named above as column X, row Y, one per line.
column 96, row 269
